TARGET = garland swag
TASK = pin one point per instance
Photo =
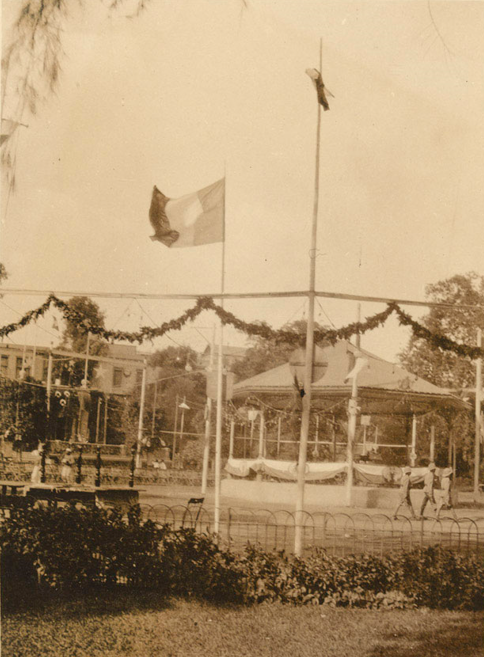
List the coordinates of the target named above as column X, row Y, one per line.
column 252, row 329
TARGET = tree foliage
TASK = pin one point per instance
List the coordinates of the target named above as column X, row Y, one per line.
column 443, row 368
column 73, row 339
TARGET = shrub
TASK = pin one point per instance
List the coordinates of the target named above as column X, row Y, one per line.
column 74, row 548
column 71, row 547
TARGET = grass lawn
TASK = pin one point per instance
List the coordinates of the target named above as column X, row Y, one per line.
column 140, row 625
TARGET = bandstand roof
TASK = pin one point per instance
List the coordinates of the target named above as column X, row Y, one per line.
column 383, row 387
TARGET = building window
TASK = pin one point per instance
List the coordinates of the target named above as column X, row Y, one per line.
column 139, row 376
column 4, row 365
column 18, row 366
column 117, row 377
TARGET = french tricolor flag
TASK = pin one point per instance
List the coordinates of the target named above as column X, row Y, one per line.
column 190, row 220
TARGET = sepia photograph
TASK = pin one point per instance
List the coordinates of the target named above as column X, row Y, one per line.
column 241, row 318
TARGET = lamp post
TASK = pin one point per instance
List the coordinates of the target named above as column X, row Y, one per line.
column 183, row 407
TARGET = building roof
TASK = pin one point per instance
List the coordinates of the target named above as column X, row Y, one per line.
column 234, row 352
column 383, row 387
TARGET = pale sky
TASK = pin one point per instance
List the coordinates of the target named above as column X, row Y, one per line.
column 195, row 89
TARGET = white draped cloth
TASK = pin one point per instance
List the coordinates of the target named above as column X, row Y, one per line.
column 283, row 469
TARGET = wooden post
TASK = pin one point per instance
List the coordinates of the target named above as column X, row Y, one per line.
column 106, row 408
column 140, row 420
column 132, row 467
column 79, row 466
column 86, row 364
column 413, row 449
column 208, row 421
column 308, row 369
column 43, row 457
column 477, row 439
column 432, row 443
column 353, row 412
column 153, row 419
column 333, row 429
column 98, row 467
column 316, row 447
column 97, row 418
column 261, row 435
column 48, row 392
column 279, row 421
column 173, row 447
column 232, row 436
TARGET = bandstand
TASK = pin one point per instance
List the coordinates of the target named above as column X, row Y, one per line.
column 264, row 432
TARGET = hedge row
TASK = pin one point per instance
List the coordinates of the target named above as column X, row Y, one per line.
column 72, row 548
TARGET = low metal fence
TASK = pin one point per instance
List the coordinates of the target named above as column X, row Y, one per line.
column 338, row 533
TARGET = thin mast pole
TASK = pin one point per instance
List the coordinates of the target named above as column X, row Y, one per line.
column 153, row 419
column 218, row 430
column 208, row 422
column 306, row 401
column 140, row 419
column 477, row 445
column 87, row 359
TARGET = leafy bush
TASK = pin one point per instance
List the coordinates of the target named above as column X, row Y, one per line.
column 71, row 547
column 74, row 548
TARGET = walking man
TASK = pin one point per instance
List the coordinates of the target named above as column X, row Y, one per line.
column 405, row 487
column 429, row 484
column 446, row 499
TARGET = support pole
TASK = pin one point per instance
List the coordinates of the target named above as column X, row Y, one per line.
column 413, row 450
column 153, row 419
column 218, row 424
column 316, row 438
column 279, row 421
column 333, row 431
column 218, row 433
column 432, row 443
column 140, row 420
column 49, row 392
column 97, row 418
column 308, row 371
column 477, row 444
column 173, row 446
column 353, row 412
column 261, row 435
column 232, row 436
column 208, row 422
column 106, row 409
column 86, row 364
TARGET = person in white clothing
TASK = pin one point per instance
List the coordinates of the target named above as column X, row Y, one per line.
column 446, row 499
column 429, row 485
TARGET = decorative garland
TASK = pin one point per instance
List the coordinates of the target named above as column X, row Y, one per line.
column 253, row 329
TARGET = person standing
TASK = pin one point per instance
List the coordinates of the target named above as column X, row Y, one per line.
column 37, row 454
column 429, row 485
column 405, row 487
column 446, row 498
column 67, row 465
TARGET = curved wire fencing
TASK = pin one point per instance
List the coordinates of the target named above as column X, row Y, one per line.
column 338, row 533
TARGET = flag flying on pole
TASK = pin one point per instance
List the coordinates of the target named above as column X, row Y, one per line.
column 191, row 220
column 321, row 89
column 360, row 364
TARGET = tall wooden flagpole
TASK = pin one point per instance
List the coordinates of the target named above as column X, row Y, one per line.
column 308, row 370
column 208, row 422
column 218, row 430
column 477, row 444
